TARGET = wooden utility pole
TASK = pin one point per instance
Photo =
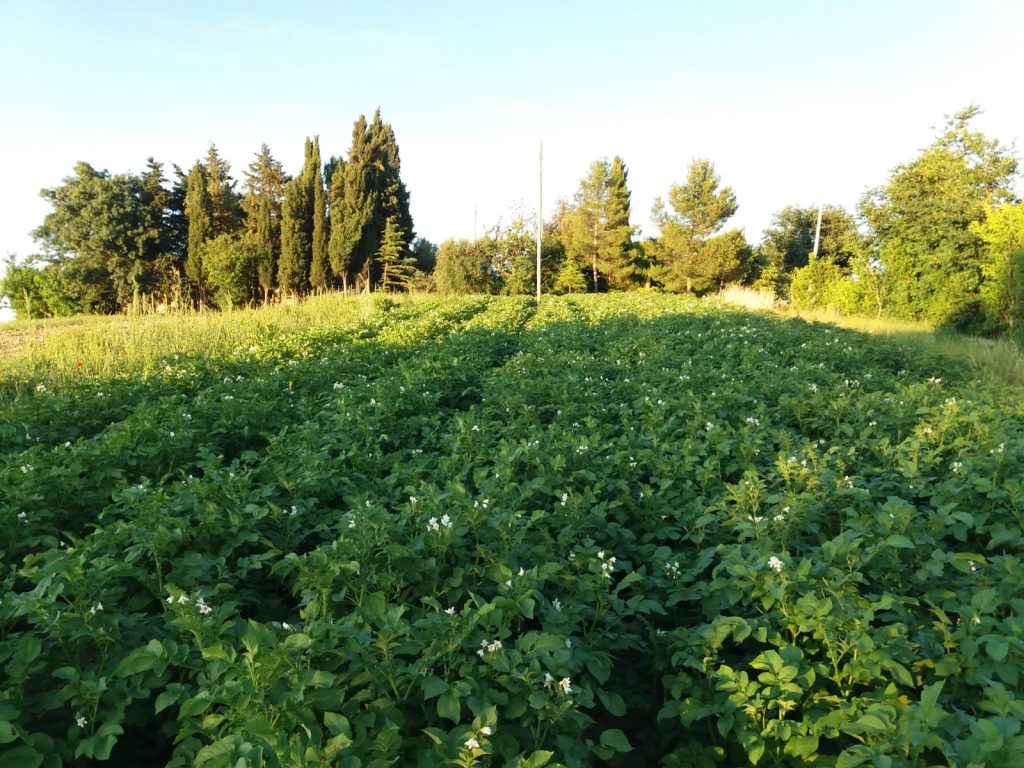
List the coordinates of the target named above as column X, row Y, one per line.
column 817, row 232
column 540, row 210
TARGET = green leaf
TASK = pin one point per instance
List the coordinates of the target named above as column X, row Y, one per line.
column 538, row 759
column 196, row 705
column 852, row 757
column 7, row 732
column 948, row 665
column 600, row 666
column 986, row 732
column 337, row 724
column 139, row 660
column 526, row 606
column 997, row 648
column 899, row 672
column 899, row 541
column 219, row 748
column 166, row 699
column 297, row 641
column 612, row 702
column 436, row 735
column 616, row 739
column 216, row 652
column 869, row 724
column 433, row 686
column 805, row 746
column 448, row 705
column 22, row 756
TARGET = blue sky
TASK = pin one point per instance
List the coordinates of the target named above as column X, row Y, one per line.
column 794, row 102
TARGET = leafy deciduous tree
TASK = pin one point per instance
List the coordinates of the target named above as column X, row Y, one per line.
column 463, row 267
column 920, row 222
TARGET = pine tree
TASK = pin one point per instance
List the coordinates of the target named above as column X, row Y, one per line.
column 700, row 209
column 199, row 215
column 617, row 254
column 319, row 269
column 225, row 208
column 265, row 180
column 569, row 278
column 599, row 234
column 393, row 257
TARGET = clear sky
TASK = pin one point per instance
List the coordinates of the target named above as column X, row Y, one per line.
column 795, row 102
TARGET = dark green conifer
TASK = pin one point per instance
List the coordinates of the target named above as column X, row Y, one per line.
column 319, row 269
column 199, row 215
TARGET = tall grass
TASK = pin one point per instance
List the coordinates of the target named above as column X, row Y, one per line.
column 112, row 346
column 53, row 351
column 748, row 298
column 997, row 361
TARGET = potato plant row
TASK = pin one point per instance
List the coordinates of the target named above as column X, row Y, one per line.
column 609, row 530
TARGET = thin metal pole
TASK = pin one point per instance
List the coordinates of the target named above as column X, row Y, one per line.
column 817, row 232
column 540, row 210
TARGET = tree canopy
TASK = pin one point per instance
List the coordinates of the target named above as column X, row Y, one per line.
column 940, row 239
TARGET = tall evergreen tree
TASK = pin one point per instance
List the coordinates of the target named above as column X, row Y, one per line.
column 293, row 266
column 599, row 234
column 372, row 188
column 351, row 205
column 699, row 210
column 176, row 225
column 156, row 260
column 394, row 258
column 319, row 269
column 198, row 212
column 225, row 206
column 266, row 260
column 264, row 179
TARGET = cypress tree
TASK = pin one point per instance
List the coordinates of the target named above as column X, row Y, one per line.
column 155, row 243
column 363, row 174
column 373, row 172
column 351, row 206
column 265, row 254
column 293, row 266
column 198, row 214
column 319, row 270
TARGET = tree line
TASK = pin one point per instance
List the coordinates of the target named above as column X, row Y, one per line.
column 111, row 241
column 942, row 239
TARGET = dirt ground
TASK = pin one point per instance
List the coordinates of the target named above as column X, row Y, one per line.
column 10, row 341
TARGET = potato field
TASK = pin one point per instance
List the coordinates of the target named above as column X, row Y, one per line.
column 622, row 530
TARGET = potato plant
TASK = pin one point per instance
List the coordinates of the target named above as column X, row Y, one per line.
column 612, row 530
